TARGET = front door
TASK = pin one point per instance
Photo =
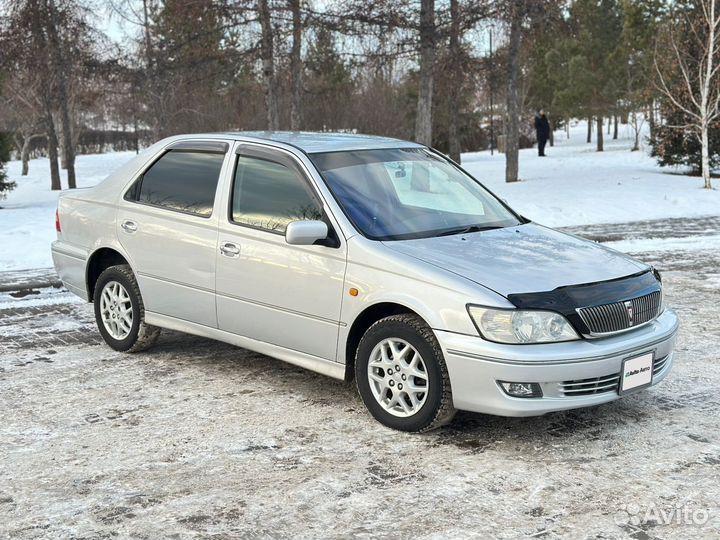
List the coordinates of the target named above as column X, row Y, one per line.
column 167, row 226
column 268, row 290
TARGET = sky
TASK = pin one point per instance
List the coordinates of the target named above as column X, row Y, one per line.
column 110, row 23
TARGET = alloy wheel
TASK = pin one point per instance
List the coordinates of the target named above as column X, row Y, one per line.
column 398, row 377
column 116, row 310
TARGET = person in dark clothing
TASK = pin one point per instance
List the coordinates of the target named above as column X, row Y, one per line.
column 542, row 128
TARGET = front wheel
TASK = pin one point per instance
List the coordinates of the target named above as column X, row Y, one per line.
column 120, row 313
column 401, row 375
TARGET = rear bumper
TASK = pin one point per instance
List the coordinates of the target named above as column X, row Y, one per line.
column 564, row 371
column 70, row 265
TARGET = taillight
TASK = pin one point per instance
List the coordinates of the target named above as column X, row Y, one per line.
column 57, row 220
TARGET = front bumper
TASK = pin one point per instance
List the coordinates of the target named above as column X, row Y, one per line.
column 571, row 374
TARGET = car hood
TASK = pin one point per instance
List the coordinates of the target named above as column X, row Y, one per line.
column 521, row 259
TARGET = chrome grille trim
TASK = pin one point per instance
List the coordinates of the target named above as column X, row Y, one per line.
column 660, row 364
column 605, row 383
column 618, row 317
column 594, row 385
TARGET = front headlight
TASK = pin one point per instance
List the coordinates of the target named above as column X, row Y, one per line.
column 519, row 326
column 663, row 303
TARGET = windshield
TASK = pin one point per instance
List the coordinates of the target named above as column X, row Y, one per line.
column 396, row 194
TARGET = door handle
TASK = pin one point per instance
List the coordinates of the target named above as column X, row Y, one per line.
column 229, row 249
column 129, row 226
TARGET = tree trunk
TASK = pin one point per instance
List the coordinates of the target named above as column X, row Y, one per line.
column 52, row 148
column 25, row 156
column 567, row 127
column 267, row 53
column 552, row 133
column 615, row 127
column 599, row 133
column 136, row 138
column 589, row 129
column 296, row 67
column 61, row 150
column 423, row 118
column 512, row 123
column 636, row 131
column 456, row 76
column 149, row 83
column 61, row 70
column 705, row 150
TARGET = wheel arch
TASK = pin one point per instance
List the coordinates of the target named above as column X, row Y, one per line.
column 101, row 259
column 365, row 319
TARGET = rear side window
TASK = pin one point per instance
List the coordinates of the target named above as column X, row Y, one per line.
column 181, row 180
column 268, row 195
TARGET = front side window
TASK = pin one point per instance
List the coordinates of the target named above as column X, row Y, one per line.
column 268, row 195
column 184, row 181
column 404, row 193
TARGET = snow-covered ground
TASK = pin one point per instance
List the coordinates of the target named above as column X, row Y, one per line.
column 199, row 439
column 574, row 185
column 27, row 217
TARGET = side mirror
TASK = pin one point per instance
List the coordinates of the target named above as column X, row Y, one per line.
column 305, row 233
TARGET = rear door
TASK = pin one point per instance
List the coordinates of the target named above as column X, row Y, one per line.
column 167, row 224
column 269, row 290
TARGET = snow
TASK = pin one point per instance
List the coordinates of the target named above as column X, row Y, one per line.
column 44, row 297
column 27, row 217
column 684, row 243
column 574, row 185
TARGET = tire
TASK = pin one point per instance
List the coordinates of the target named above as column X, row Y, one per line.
column 131, row 334
column 379, row 383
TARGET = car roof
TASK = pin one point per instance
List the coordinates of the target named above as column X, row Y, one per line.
column 313, row 143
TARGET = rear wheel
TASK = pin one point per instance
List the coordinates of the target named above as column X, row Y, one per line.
column 401, row 375
column 120, row 313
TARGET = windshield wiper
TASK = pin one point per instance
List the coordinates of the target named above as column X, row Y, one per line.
column 468, row 229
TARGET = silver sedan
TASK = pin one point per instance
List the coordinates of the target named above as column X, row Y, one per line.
column 367, row 258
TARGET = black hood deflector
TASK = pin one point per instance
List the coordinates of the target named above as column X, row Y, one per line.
column 566, row 300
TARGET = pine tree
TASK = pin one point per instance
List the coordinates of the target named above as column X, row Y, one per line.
column 681, row 147
column 329, row 86
column 189, row 71
column 590, row 88
column 640, row 26
column 5, row 185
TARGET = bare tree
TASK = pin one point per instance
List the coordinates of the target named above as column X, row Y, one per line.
column 60, row 65
column 512, row 123
column 423, row 119
column 21, row 111
column 455, row 83
column 150, row 83
column 688, row 76
column 267, row 52
column 296, row 65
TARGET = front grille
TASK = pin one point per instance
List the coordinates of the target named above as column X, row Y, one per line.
column 659, row 364
column 619, row 316
column 594, row 385
column 606, row 383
